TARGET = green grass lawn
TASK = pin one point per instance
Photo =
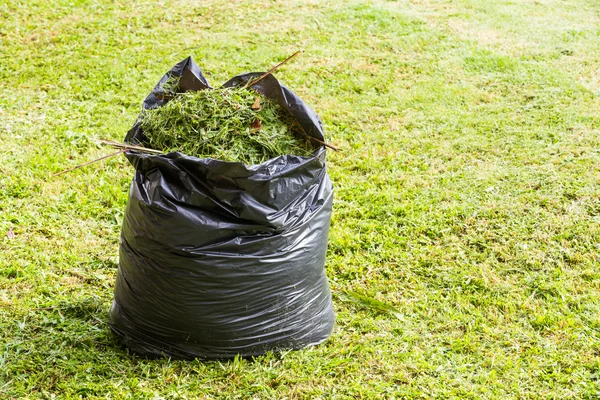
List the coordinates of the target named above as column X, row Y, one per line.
column 467, row 192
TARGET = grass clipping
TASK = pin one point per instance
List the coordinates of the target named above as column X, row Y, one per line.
column 229, row 124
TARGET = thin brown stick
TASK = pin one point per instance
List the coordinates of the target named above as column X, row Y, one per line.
column 89, row 162
column 255, row 81
column 296, row 123
column 322, row 142
column 129, row 146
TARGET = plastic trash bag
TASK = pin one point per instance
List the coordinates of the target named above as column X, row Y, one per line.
column 220, row 258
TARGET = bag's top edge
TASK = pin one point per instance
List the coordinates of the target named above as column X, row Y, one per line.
column 267, row 170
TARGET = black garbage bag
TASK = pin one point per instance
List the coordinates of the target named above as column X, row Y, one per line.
column 221, row 258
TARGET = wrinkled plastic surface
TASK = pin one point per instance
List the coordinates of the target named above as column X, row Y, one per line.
column 220, row 258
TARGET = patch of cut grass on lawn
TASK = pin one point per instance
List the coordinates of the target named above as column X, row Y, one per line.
column 466, row 193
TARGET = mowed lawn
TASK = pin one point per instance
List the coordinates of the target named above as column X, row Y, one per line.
column 464, row 246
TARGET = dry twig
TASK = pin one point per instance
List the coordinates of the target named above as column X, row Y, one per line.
column 126, row 147
column 301, row 129
column 255, row 81
column 89, row 162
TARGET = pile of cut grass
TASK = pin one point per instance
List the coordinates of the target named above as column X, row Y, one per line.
column 228, row 124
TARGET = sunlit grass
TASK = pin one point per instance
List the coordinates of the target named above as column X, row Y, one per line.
column 463, row 251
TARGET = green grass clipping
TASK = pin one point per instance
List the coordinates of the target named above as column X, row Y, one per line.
column 230, row 124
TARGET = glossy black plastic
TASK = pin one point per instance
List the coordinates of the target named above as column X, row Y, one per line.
column 220, row 258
